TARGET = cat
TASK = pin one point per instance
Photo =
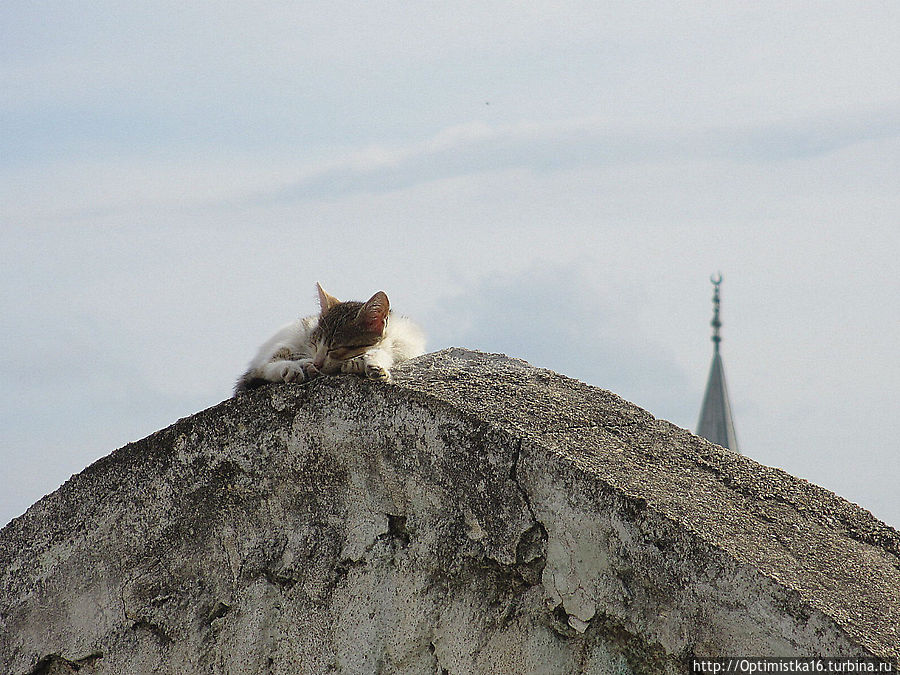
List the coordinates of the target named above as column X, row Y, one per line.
column 365, row 338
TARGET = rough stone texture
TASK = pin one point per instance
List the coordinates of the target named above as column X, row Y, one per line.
column 478, row 515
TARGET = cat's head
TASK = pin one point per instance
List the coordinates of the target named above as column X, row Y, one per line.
column 347, row 329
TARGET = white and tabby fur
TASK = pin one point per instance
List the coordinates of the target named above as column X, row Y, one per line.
column 345, row 337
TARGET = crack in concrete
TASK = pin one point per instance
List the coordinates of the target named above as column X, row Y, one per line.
column 514, row 477
column 53, row 663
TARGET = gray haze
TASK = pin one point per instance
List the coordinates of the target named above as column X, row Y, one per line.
column 556, row 182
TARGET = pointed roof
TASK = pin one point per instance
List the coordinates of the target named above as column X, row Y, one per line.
column 716, row 422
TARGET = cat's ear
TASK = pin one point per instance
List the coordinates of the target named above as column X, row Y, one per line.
column 374, row 313
column 326, row 301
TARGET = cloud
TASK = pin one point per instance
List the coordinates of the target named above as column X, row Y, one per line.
column 653, row 159
column 478, row 148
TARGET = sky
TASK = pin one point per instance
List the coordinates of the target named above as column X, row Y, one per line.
column 555, row 181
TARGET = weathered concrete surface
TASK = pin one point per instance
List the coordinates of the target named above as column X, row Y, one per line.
column 478, row 515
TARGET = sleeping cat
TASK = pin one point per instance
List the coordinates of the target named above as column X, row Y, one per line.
column 365, row 338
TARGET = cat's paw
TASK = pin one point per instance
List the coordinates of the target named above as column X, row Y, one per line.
column 376, row 372
column 296, row 371
column 355, row 366
column 362, row 366
column 290, row 371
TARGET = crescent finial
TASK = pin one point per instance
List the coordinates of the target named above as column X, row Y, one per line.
column 716, row 323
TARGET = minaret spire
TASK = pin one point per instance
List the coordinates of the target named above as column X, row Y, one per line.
column 716, row 423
